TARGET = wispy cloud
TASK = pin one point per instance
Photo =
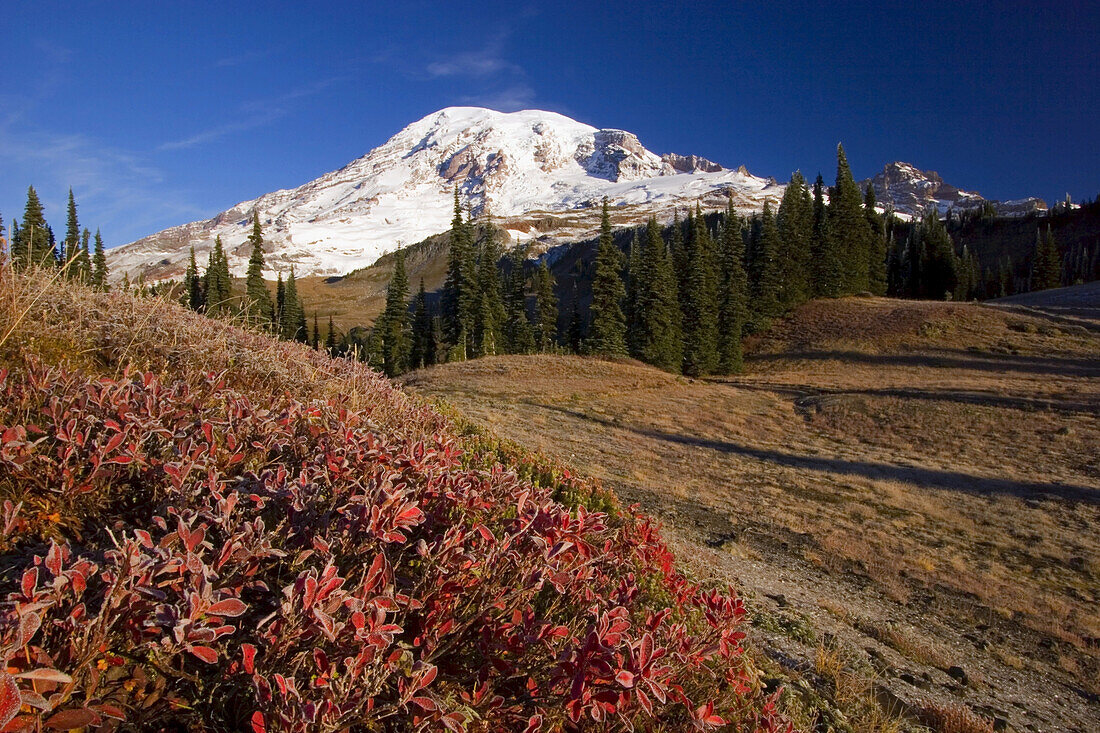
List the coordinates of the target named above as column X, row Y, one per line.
column 127, row 194
column 488, row 60
column 254, row 114
column 509, row 99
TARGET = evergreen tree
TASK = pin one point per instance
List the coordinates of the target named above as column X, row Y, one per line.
column 394, row 323
column 315, row 337
column 660, row 338
column 701, row 314
column 546, row 309
column 1046, row 262
column 277, row 319
column 424, row 347
column 258, row 299
column 940, row 273
column 895, row 274
column 70, row 248
column 519, row 337
column 460, row 298
column 635, row 275
column 83, row 262
column 846, row 229
column 795, row 223
column 32, row 245
column 489, row 313
column 877, row 247
column 607, row 336
column 98, row 264
column 295, row 318
column 732, row 294
column 764, row 271
column 826, row 269
column 192, row 287
column 330, row 338
column 218, row 283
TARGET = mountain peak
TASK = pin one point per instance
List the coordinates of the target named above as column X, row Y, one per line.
column 908, row 189
column 541, row 173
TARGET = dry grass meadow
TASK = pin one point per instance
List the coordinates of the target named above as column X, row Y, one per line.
column 911, row 487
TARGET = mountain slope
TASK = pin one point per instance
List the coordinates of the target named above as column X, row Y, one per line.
column 909, row 190
column 539, row 173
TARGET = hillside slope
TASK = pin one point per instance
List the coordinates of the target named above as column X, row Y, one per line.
column 204, row 528
column 910, row 487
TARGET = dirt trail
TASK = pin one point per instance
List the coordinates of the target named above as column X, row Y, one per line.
column 912, row 487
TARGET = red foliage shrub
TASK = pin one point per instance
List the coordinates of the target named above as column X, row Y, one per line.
column 176, row 554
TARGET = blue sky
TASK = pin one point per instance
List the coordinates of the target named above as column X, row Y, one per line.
column 162, row 113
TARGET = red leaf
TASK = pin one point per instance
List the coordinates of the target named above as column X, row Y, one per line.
column 45, row 674
column 9, row 698
column 428, row 677
column 228, row 607
column 258, row 725
column 30, row 582
column 73, row 718
column 249, row 653
column 204, row 653
column 625, row 678
column 114, row 442
column 425, row 702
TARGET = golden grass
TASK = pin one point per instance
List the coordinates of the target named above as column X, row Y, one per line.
column 943, row 454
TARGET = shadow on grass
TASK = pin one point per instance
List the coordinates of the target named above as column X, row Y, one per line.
column 805, row 396
column 965, row 360
column 931, row 477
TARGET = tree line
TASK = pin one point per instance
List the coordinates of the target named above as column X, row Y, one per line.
column 33, row 244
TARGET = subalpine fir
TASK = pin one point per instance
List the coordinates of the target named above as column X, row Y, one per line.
column 258, row 299
column 607, row 334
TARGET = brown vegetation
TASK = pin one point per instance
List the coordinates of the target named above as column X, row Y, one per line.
column 929, row 467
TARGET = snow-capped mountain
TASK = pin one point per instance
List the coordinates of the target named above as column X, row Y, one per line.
column 909, row 190
column 541, row 175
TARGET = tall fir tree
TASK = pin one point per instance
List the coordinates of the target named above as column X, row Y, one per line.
column 192, row 285
column 846, row 229
column 424, row 347
column 331, row 341
column 258, row 299
column 795, row 223
column 279, row 308
column 607, row 334
column 32, row 245
column 1046, row 268
column 519, row 337
column 293, row 322
column 83, row 262
column 315, row 337
column 764, row 272
column 732, row 294
column 98, row 264
column 827, row 269
column 877, row 249
column 394, row 323
column 701, row 315
column 70, row 248
column 489, row 311
column 218, row 284
column 635, row 275
column 659, row 319
column 460, row 298
column 939, row 273
column 546, row 309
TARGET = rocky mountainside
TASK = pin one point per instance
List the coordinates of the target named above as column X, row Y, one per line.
column 540, row 174
column 909, row 190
